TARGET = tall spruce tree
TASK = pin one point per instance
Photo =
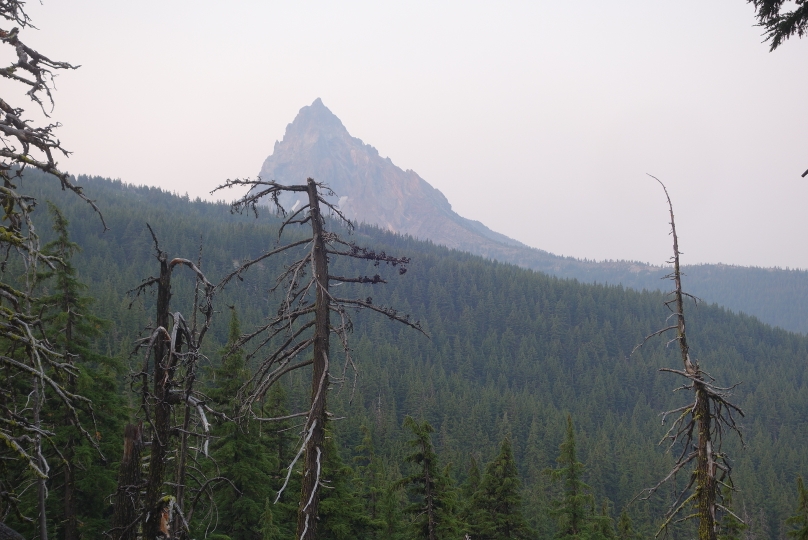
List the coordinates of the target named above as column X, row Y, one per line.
column 572, row 508
column 432, row 496
column 498, row 501
column 66, row 313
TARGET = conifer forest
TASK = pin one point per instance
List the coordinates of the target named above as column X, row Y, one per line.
column 175, row 368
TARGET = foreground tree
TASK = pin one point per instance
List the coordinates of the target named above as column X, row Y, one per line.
column 31, row 365
column 239, row 452
column 699, row 427
column 65, row 311
column 303, row 323
column 166, row 383
column 498, row 500
column 780, row 22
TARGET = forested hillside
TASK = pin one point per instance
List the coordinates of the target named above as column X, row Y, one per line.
column 511, row 353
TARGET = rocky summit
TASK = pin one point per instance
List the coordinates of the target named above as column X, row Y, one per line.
column 370, row 188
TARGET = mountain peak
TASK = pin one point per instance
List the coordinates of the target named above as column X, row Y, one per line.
column 369, row 188
column 316, row 118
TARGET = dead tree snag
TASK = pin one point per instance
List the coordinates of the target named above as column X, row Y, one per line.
column 172, row 353
column 699, row 427
column 303, row 324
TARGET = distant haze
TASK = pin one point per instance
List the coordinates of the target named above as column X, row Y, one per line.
column 539, row 119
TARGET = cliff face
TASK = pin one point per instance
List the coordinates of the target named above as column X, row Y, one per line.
column 370, row 188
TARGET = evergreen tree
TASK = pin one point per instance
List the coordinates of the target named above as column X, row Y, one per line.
column 242, row 457
column 374, row 488
column 279, row 440
column 601, row 526
column 730, row 528
column 342, row 510
column 625, row 528
column 799, row 520
column 66, row 313
column 498, row 501
column 572, row 507
column 269, row 530
column 433, row 499
column 469, row 511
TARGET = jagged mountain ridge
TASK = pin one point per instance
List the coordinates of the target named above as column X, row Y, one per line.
column 372, row 189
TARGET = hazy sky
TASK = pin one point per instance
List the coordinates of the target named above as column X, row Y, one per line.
column 538, row 118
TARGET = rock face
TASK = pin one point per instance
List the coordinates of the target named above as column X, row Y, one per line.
column 370, row 188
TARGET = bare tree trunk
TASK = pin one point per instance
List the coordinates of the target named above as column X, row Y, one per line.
column 312, row 468
column 705, row 469
column 183, row 457
column 127, row 498
column 154, row 504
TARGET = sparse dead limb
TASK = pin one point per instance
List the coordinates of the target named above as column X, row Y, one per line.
column 171, row 354
column 299, row 334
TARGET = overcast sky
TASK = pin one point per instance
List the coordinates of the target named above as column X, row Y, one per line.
column 540, row 119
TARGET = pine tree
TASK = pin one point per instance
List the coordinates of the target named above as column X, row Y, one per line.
column 799, row 520
column 498, row 501
column 572, row 507
column 469, row 511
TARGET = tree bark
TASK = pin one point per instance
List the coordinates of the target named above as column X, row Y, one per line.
column 705, row 468
column 313, row 460
column 154, row 504
column 127, row 498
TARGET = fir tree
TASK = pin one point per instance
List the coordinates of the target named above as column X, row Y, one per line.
column 498, row 502
column 469, row 511
column 66, row 313
column 243, row 457
column 601, row 526
column 374, row 488
column 572, row 507
column 342, row 510
column 433, row 506
column 799, row 520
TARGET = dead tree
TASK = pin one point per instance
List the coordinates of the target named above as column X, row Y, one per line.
column 298, row 336
column 27, row 358
column 699, row 426
column 130, row 482
column 166, row 379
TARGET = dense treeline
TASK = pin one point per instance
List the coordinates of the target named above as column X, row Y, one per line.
column 511, row 355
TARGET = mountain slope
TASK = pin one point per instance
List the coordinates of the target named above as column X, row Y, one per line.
column 511, row 351
column 371, row 189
